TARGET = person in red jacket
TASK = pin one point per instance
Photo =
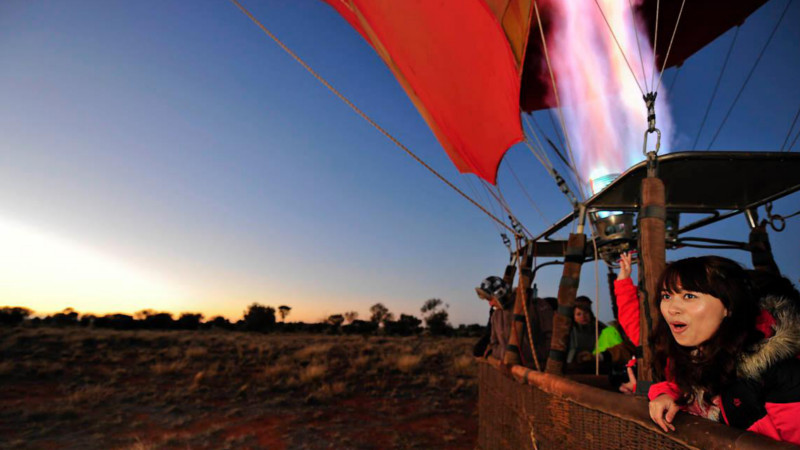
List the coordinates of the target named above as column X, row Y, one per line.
column 727, row 351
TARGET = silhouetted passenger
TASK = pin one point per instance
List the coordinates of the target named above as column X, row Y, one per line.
column 502, row 298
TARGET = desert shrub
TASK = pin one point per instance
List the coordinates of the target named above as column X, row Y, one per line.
column 13, row 315
column 311, row 351
column 406, row 325
column 165, row 368
column 196, row 352
column 408, row 363
column 360, row 327
column 313, row 373
column 464, row 366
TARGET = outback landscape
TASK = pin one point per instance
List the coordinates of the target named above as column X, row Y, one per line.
column 78, row 387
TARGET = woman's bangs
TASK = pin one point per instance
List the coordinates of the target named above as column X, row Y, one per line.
column 685, row 275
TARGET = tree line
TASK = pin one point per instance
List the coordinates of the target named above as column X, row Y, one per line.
column 258, row 318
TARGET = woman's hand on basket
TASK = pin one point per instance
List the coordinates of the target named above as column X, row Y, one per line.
column 662, row 411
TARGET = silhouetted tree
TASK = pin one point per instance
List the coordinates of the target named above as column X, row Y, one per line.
column 406, row 325
column 13, row 315
column 144, row 314
column 189, row 321
column 436, row 317
column 336, row 320
column 360, row 327
column 259, row 317
column 68, row 317
column 159, row 321
column 284, row 310
column 220, row 322
column 379, row 313
column 119, row 322
column 87, row 320
column 350, row 316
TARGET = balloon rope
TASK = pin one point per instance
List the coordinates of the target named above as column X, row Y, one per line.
column 522, row 295
column 596, row 304
column 716, row 87
column 555, row 92
column 750, row 74
column 655, row 42
column 527, row 195
column 366, row 117
column 669, row 48
column 638, row 45
column 622, row 52
column 789, row 134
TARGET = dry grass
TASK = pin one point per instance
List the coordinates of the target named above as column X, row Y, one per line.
column 313, row 373
column 465, row 366
column 408, row 363
column 196, row 352
column 143, row 389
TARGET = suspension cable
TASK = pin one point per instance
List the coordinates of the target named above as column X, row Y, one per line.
column 655, row 43
column 549, row 164
column 794, row 141
column 555, row 90
column 560, row 181
column 638, row 45
column 674, row 79
column 551, row 169
column 789, row 134
column 496, row 207
column 501, row 200
column 669, row 48
column 716, row 87
column 750, row 74
column 477, row 195
column 622, row 52
column 363, row 114
column 525, row 300
column 525, row 191
column 555, row 130
column 597, row 302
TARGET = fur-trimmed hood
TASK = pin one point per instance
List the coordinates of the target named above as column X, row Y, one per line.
column 782, row 344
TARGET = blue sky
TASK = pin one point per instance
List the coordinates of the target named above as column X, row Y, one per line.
column 175, row 143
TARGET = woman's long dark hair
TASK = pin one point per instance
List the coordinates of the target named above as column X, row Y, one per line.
column 711, row 365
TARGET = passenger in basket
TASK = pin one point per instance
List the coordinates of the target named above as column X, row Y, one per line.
column 502, row 299
column 727, row 351
column 582, row 335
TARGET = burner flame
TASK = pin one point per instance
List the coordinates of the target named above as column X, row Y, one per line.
column 604, row 112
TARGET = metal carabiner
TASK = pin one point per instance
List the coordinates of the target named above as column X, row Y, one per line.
column 658, row 140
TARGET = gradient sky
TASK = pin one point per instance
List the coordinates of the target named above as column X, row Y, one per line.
column 168, row 155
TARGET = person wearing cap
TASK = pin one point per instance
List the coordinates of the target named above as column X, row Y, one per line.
column 499, row 295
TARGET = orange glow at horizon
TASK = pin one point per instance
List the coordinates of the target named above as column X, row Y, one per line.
column 48, row 273
column 604, row 112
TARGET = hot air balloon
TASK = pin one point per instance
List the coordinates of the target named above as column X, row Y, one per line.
column 471, row 68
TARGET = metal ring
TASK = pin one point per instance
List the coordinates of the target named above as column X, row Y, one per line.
column 777, row 218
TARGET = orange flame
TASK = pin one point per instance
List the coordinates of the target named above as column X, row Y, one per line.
column 603, row 108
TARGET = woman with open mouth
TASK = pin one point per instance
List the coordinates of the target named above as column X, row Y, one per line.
column 727, row 350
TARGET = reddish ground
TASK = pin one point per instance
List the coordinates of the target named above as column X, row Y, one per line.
column 61, row 390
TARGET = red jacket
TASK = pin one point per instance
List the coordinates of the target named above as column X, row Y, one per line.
column 628, row 308
column 766, row 395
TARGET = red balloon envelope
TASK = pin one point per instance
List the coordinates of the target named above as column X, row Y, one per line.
column 455, row 62
column 460, row 60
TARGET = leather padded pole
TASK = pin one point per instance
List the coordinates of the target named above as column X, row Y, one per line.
column 514, row 348
column 652, row 254
column 567, row 291
column 761, row 250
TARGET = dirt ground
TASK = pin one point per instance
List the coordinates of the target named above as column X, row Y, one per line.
column 84, row 388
